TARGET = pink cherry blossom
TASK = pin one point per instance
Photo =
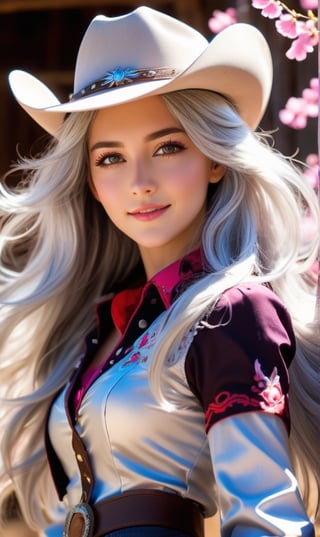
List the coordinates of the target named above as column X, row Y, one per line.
column 309, row 4
column 307, row 39
column 310, row 95
column 314, row 84
column 222, row 19
column 297, row 110
column 311, row 98
column 294, row 25
column 287, row 26
column 260, row 4
column 312, row 108
column 294, row 114
column 270, row 8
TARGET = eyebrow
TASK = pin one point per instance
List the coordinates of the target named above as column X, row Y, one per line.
column 149, row 138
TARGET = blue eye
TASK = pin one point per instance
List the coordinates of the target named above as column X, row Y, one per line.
column 169, row 148
column 107, row 159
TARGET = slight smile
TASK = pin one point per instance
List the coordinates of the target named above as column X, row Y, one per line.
column 149, row 212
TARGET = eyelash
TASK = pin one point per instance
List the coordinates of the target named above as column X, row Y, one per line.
column 101, row 158
column 177, row 145
column 171, row 143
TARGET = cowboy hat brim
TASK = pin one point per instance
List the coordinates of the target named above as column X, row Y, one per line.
column 229, row 65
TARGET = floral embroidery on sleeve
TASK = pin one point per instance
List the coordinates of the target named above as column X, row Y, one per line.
column 266, row 394
column 269, row 389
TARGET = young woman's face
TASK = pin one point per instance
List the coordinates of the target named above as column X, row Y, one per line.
column 150, row 178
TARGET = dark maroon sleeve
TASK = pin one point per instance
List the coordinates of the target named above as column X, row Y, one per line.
column 241, row 364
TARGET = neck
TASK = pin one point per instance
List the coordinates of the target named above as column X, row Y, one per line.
column 156, row 259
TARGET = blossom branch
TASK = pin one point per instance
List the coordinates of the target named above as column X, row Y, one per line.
column 303, row 30
column 297, row 26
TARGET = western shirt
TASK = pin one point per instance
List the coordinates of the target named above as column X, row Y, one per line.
column 221, row 439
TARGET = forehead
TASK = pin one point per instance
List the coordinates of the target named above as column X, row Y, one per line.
column 144, row 114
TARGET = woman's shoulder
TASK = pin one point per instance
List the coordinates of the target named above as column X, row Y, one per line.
column 251, row 293
column 247, row 299
column 253, row 317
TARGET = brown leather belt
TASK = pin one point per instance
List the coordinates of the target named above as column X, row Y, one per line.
column 135, row 508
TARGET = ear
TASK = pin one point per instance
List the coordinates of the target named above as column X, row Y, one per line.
column 217, row 171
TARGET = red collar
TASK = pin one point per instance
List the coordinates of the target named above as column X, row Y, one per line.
column 167, row 283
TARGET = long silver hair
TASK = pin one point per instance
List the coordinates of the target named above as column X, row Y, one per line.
column 59, row 252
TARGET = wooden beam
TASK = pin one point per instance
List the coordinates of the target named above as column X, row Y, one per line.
column 9, row 6
column 189, row 11
column 193, row 13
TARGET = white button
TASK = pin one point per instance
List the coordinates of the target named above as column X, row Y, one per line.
column 119, row 351
column 95, row 341
column 142, row 323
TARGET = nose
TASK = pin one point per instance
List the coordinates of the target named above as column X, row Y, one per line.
column 142, row 182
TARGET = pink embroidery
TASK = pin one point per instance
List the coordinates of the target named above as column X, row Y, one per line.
column 133, row 358
column 273, row 398
column 225, row 400
column 265, row 388
column 144, row 340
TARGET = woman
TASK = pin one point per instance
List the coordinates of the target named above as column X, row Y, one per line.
column 162, row 228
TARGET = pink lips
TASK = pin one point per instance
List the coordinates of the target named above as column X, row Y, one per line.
column 149, row 212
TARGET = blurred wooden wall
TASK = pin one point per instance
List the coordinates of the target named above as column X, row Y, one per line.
column 43, row 36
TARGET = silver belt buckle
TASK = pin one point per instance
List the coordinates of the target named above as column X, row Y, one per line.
column 79, row 521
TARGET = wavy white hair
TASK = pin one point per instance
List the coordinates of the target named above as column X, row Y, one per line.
column 59, row 252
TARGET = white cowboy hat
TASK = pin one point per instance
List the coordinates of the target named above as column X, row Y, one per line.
column 146, row 53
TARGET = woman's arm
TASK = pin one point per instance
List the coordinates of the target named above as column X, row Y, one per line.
column 257, row 489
